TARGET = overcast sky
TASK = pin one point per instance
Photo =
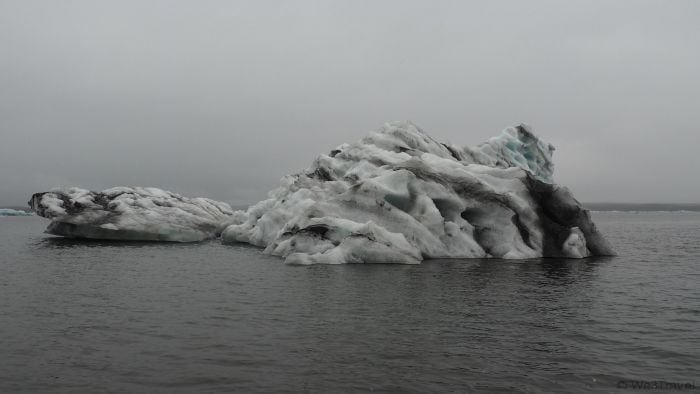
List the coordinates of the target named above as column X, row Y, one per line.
column 222, row 98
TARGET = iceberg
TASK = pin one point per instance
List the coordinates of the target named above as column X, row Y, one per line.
column 399, row 196
column 131, row 213
column 14, row 212
column 395, row 196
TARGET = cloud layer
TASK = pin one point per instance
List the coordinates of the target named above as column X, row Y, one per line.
column 220, row 99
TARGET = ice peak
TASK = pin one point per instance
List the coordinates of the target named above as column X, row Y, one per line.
column 516, row 146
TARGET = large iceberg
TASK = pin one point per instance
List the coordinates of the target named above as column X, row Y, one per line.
column 131, row 213
column 399, row 196
column 395, row 196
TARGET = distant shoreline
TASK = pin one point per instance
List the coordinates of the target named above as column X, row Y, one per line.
column 640, row 207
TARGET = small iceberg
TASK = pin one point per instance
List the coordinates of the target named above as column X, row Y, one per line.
column 14, row 212
column 131, row 214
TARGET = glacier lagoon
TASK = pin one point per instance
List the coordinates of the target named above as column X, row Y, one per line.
column 395, row 196
column 106, row 316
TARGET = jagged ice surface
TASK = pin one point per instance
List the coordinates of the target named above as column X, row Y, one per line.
column 399, row 196
column 131, row 213
column 395, row 196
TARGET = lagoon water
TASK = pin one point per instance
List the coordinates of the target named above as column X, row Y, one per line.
column 91, row 316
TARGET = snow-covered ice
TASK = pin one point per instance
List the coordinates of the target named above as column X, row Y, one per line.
column 399, row 196
column 131, row 213
column 14, row 212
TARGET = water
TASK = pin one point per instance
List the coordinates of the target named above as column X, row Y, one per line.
column 147, row 317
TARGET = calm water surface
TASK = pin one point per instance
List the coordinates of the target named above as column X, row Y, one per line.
column 147, row 317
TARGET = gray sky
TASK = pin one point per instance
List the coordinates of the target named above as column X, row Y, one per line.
column 221, row 98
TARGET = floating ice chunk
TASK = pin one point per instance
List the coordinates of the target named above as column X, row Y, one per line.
column 14, row 212
column 575, row 244
column 397, row 195
column 131, row 213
